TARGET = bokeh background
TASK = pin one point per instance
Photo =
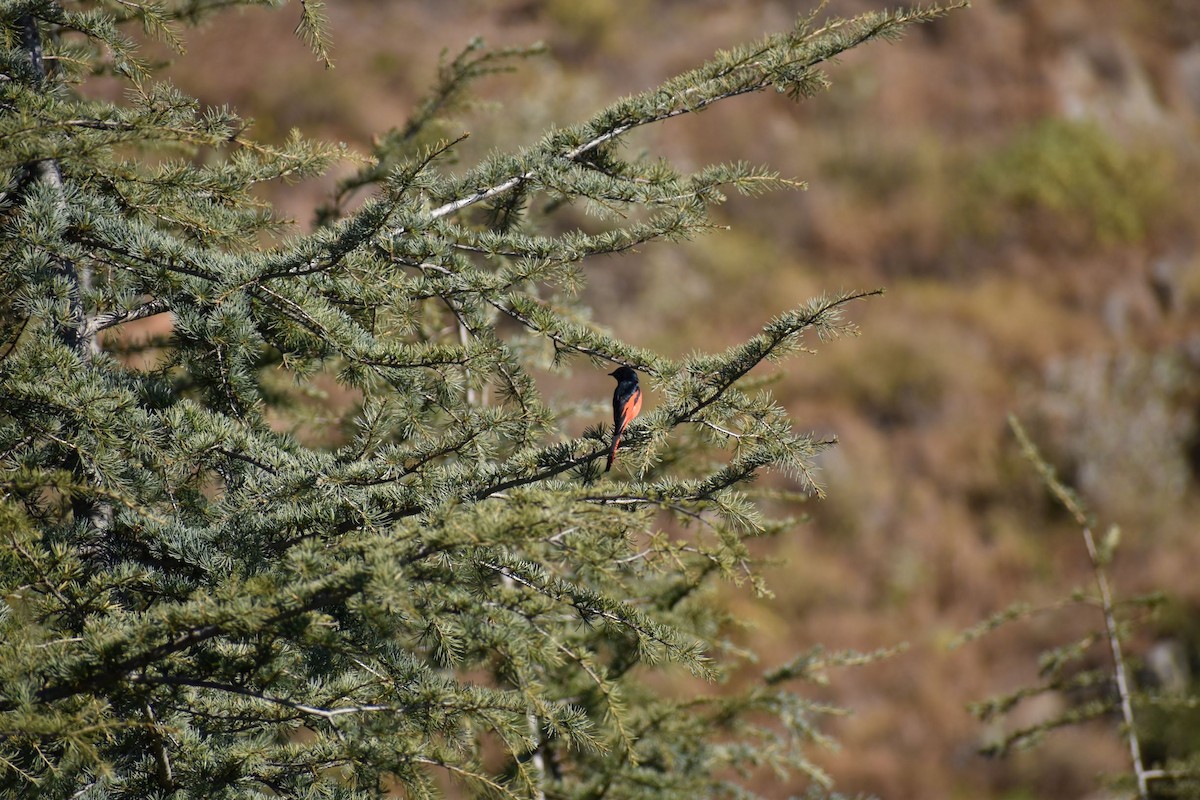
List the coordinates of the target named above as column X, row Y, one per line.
column 1022, row 177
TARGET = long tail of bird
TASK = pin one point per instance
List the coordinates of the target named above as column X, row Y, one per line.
column 612, row 450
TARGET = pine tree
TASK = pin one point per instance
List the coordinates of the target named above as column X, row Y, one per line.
column 196, row 604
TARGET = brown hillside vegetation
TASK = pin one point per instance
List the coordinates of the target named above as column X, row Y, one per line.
column 1021, row 178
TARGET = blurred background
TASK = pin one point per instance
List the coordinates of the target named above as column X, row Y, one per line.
column 1022, row 178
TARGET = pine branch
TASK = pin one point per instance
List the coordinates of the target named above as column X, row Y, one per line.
column 312, row 29
column 333, row 590
column 787, row 61
column 775, row 338
column 1073, row 505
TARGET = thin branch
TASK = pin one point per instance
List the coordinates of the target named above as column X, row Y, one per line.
column 1075, row 507
column 111, row 319
column 166, row 776
column 466, row 773
column 1114, row 642
column 540, row 476
column 558, row 537
column 15, row 339
column 500, row 188
column 246, row 459
column 779, row 339
column 1168, row 775
column 715, row 427
column 635, row 556
column 559, row 341
column 674, row 109
column 326, row 713
column 605, row 687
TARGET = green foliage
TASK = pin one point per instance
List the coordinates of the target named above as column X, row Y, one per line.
column 197, row 604
column 1064, row 182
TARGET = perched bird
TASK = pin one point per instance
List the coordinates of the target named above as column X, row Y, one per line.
column 627, row 402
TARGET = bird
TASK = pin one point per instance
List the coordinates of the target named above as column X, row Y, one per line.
column 627, row 402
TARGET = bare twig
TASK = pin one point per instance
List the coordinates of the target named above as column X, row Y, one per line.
column 1114, row 642
column 1166, row 774
column 708, row 424
column 166, row 775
